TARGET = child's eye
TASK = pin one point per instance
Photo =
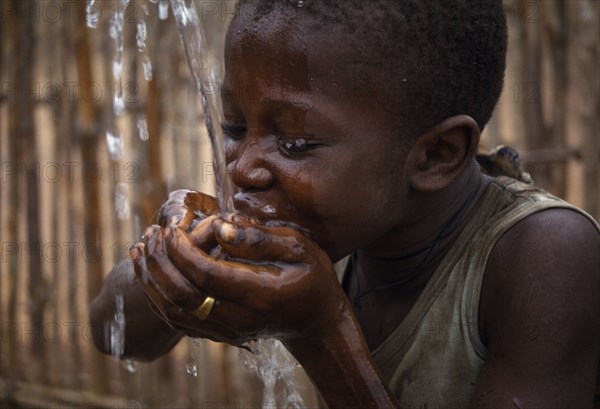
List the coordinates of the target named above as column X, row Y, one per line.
column 234, row 132
column 294, row 146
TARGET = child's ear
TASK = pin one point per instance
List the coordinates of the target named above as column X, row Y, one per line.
column 442, row 153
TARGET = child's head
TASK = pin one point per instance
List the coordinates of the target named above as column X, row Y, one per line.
column 422, row 61
column 323, row 102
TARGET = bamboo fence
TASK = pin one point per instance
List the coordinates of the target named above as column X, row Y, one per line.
column 70, row 210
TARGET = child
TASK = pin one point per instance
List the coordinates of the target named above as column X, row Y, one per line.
column 358, row 122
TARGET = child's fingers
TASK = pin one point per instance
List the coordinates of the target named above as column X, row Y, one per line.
column 163, row 275
column 203, row 236
column 239, row 282
column 255, row 242
column 177, row 309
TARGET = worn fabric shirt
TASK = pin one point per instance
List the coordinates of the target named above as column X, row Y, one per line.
column 434, row 358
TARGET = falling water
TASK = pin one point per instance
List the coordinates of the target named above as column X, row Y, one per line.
column 190, row 366
column 92, row 14
column 130, row 365
column 147, row 66
column 141, row 35
column 163, row 9
column 206, row 78
column 117, row 328
column 142, row 127
column 272, row 362
column 115, row 144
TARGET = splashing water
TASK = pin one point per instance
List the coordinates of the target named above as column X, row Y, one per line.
column 206, row 78
column 272, row 362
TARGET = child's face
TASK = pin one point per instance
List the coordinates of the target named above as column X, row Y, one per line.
column 300, row 148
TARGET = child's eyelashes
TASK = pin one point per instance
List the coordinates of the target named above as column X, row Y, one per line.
column 233, row 131
column 289, row 145
column 296, row 146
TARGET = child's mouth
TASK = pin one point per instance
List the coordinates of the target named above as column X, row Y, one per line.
column 251, row 206
column 269, row 215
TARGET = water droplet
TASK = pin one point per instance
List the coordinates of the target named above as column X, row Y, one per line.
column 270, row 210
column 403, row 79
column 191, row 368
column 142, row 127
column 163, row 10
column 197, row 341
column 118, row 102
column 113, row 30
column 147, row 66
column 115, row 145
column 130, row 365
column 141, row 35
column 122, row 201
column 300, row 3
column 92, row 14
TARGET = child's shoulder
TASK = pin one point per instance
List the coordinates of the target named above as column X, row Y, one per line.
column 556, row 246
column 539, row 304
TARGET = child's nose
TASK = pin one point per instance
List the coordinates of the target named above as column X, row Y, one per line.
column 249, row 170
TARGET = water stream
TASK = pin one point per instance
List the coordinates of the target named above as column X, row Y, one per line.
column 276, row 367
column 206, row 77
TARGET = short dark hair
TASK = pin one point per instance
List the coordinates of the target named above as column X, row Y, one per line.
column 429, row 59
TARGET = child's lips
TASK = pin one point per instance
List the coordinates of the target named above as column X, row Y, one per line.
column 252, row 206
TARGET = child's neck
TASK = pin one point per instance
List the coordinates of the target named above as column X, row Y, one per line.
column 409, row 254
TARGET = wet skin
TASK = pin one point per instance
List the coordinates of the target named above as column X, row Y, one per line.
column 332, row 164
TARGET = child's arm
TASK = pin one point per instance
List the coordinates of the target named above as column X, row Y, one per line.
column 341, row 366
column 540, row 308
column 146, row 335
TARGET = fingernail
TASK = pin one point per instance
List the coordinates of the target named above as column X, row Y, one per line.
column 134, row 253
column 237, row 218
column 228, row 232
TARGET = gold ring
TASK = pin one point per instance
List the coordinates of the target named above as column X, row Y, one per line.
column 203, row 311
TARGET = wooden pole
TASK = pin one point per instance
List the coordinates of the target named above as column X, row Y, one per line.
column 11, row 32
column 87, row 121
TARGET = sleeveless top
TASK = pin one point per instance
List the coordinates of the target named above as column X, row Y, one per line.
column 434, row 357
